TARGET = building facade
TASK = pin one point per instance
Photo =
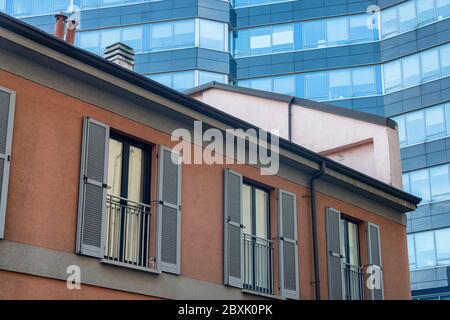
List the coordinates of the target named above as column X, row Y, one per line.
column 92, row 191
column 393, row 61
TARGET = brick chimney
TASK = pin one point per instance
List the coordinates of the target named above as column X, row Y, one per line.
column 70, row 32
column 60, row 25
column 120, row 54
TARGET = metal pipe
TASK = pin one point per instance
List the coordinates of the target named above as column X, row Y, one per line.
column 317, row 175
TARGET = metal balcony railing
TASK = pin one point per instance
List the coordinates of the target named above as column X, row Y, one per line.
column 127, row 235
column 258, row 270
column 353, row 277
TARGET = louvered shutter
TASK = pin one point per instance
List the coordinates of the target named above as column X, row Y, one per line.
column 93, row 187
column 374, row 252
column 288, row 247
column 233, row 230
column 169, row 210
column 335, row 288
column 7, row 106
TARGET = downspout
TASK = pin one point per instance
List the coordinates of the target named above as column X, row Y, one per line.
column 317, row 175
column 291, row 102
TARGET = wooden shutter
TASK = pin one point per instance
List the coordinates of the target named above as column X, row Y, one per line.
column 93, row 187
column 288, row 247
column 374, row 253
column 7, row 106
column 333, row 218
column 169, row 210
column 233, row 230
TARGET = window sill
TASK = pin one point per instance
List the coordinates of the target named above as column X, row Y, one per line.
column 266, row 295
column 128, row 266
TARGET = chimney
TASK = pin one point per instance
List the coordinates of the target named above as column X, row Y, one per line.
column 60, row 25
column 120, row 54
column 70, row 33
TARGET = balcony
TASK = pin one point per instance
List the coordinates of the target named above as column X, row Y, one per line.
column 353, row 282
column 129, row 237
column 258, row 270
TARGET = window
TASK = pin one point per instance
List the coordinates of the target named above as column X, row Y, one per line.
column 392, row 76
column 316, row 86
column 90, row 41
column 212, row 35
column 109, row 37
column 425, row 251
column 262, row 84
column 431, row 184
column 206, row 77
column 425, row 11
column 132, row 37
column 257, row 247
column 429, row 61
column 183, row 81
column 128, row 194
column 340, row 84
column 359, row 31
column 161, row 36
column 337, row 31
column 314, row 34
column 445, row 59
column 260, row 41
column 284, row 85
column 407, row 16
column 241, row 43
column 424, row 125
column 389, row 21
column 429, row 249
column 363, row 81
column 22, row 7
column 183, row 34
column 411, row 70
column 443, row 8
column 283, row 38
column 351, row 267
column 2, row 5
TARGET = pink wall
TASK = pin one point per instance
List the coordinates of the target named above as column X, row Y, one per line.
column 319, row 131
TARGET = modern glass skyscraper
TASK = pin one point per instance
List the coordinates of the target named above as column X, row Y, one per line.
column 393, row 61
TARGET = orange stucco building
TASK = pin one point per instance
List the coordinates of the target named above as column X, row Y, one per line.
column 137, row 225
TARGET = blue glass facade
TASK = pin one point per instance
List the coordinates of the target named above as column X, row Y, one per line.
column 394, row 61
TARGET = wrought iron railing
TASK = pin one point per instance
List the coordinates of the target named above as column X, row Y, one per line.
column 353, row 277
column 127, row 235
column 258, row 270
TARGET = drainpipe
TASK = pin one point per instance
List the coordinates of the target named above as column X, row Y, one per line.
column 291, row 102
column 317, row 175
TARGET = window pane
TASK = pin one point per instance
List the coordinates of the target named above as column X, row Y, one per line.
column 440, row 183
column 87, row 4
column 284, row 85
column 262, row 84
column 314, row 34
column 212, row 35
column 406, row 184
column 115, row 167
column 425, row 11
column 443, row 8
column 132, row 37
column 420, row 184
column 90, row 41
column 316, row 86
column 42, row 6
column 2, row 5
column 392, row 76
column 407, row 16
column 164, row 78
column 425, row 253
column 445, row 59
column 261, row 213
column 411, row 71
column 358, row 28
column 161, row 36
column 283, row 38
column 242, row 43
column 353, row 254
column 260, row 42
column 184, row 34
column 183, row 80
column 435, row 124
column 337, row 31
column 340, row 84
column 109, row 37
column 411, row 252
column 443, row 246
column 447, row 117
column 247, row 208
column 364, row 82
column 206, row 77
column 401, row 130
column 389, row 21
column 415, row 126
column 22, row 7
column 430, row 64
column 135, row 174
